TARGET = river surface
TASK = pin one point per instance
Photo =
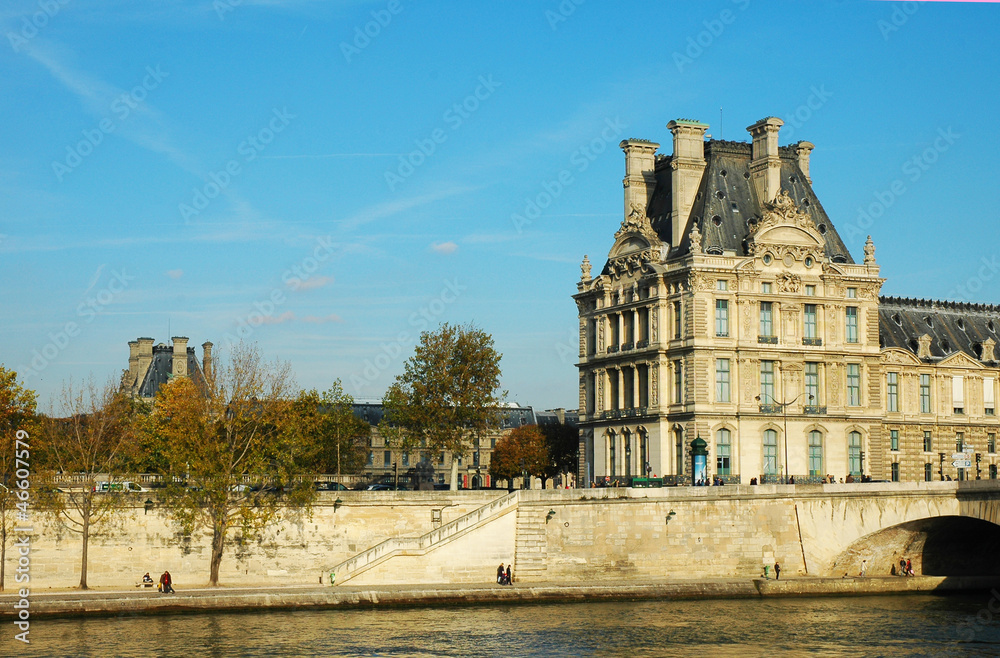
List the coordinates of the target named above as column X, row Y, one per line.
column 870, row 626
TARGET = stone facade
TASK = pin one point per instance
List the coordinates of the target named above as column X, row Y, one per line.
column 730, row 309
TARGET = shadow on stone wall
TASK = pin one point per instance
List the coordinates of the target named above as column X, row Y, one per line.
column 944, row 546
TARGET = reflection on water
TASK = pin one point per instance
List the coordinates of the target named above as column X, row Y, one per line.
column 910, row 625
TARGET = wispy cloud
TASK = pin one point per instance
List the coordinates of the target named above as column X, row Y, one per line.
column 444, row 247
column 175, row 274
column 390, row 208
column 312, row 283
column 333, row 317
column 323, row 156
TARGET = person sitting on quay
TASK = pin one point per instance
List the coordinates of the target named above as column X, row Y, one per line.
column 147, row 581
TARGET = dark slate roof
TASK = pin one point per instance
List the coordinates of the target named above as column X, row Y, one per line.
column 952, row 326
column 727, row 200
column 161, row 370
column 371, row 413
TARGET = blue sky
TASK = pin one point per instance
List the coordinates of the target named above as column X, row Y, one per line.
column 197, row 167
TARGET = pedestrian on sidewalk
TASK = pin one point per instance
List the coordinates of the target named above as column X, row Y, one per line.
column 166, row 584
column 510, row 581
column 500, row 574
column 777, row 571
column 864, row 568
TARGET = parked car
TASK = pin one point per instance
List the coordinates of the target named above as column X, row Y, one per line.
column 119, row 487
column 330, row 486
column 381, row 486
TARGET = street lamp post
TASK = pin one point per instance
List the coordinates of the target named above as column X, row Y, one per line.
column 784, row 416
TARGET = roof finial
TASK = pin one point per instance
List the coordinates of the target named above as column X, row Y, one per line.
column 585, row 269
column 869, row 252
column 695, row 239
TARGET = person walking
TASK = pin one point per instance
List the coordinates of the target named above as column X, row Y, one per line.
column 510, row 581
column 500, row 574
column 864, row 568
column 777, row 571
column 166, row 583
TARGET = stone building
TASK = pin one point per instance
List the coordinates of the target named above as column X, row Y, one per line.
column 151, row 366
column 729, row 310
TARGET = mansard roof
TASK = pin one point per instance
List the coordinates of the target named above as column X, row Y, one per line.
column 727, row 201
column 952, row 326
column 161, row 370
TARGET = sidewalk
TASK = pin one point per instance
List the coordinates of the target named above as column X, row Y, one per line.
column 132, row 602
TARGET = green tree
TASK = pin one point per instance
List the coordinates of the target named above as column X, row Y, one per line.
column 448, row 393
column 338, row 438
column 17, row 411
column 563, row 442
column 91, row 440
column 236, row 456
column 523, row 450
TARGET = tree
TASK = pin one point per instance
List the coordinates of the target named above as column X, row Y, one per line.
column 563, row 442
column 17, row 410
column 339, row 439
column 235, row 456
column 523, row 450
column 449, row 392
column 88, row 443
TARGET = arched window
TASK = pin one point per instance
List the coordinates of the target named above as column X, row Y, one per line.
column 854, row 453
column 770, row 452
column 612, row 449
column 627, row 449
column 644, row 465
column 815, row 453
column 723, row 452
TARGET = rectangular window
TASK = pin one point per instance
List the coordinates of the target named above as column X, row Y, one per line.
column 810, row 291
column 892, row 391
column 387, row 459
column 722, row 380
column 475, row 458
column 723, row 453
column 766, row 319
column 854, row 453
column 958, row 394
column 852, row 293
column 815, row 453
column 722, row 284
column 770, row 452
column 851, row 329
column 991, row 443
column 928, row 472
column 371, row 458
column 809, row 320
column 812, row 384
column 895, row 471
column 722, row 317
column 959, row 441
column 853, row 385
column 928, row 442
column 767, row 382
column 989, row 399
column 678, row 383
column 441, row 458
column 677, row 320
column 406, row 459
column 893, row 439
column 925, row 394
column 765, row 287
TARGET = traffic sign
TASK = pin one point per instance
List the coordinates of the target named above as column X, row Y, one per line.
column 959, row 455
column 962, row 463
column 968, row 450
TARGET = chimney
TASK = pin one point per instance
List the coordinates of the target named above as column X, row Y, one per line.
column 688, row 165
column 640, row 179
column 145, row 353
column 133, row 361
column 179, row 365
column 765, row 165
column 802, row 150
column 206, row 360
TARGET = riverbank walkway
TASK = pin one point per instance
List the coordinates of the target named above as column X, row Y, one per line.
column 133, row 602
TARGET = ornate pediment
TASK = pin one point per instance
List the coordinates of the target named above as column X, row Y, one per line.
column 786, row 227
column 899, row 356
column 961, row 360
column 636, row 243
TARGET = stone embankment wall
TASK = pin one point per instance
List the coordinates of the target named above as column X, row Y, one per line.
column 576, row 535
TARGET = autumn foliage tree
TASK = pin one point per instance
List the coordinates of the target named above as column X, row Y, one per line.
column 336, row 439
column 523, row 450
column 448, row 394
column 235, row 461
column 88, row 440
column 17, row 410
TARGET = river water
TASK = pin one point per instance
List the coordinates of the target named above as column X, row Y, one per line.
column 869, row 626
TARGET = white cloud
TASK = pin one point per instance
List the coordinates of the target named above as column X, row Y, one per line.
column 333, row 317
column 312, row 283
column 175, row 274
column 287, row 316
column 444, row 247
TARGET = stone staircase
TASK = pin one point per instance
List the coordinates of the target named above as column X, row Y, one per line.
column 530, row 547
column 390, row 548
